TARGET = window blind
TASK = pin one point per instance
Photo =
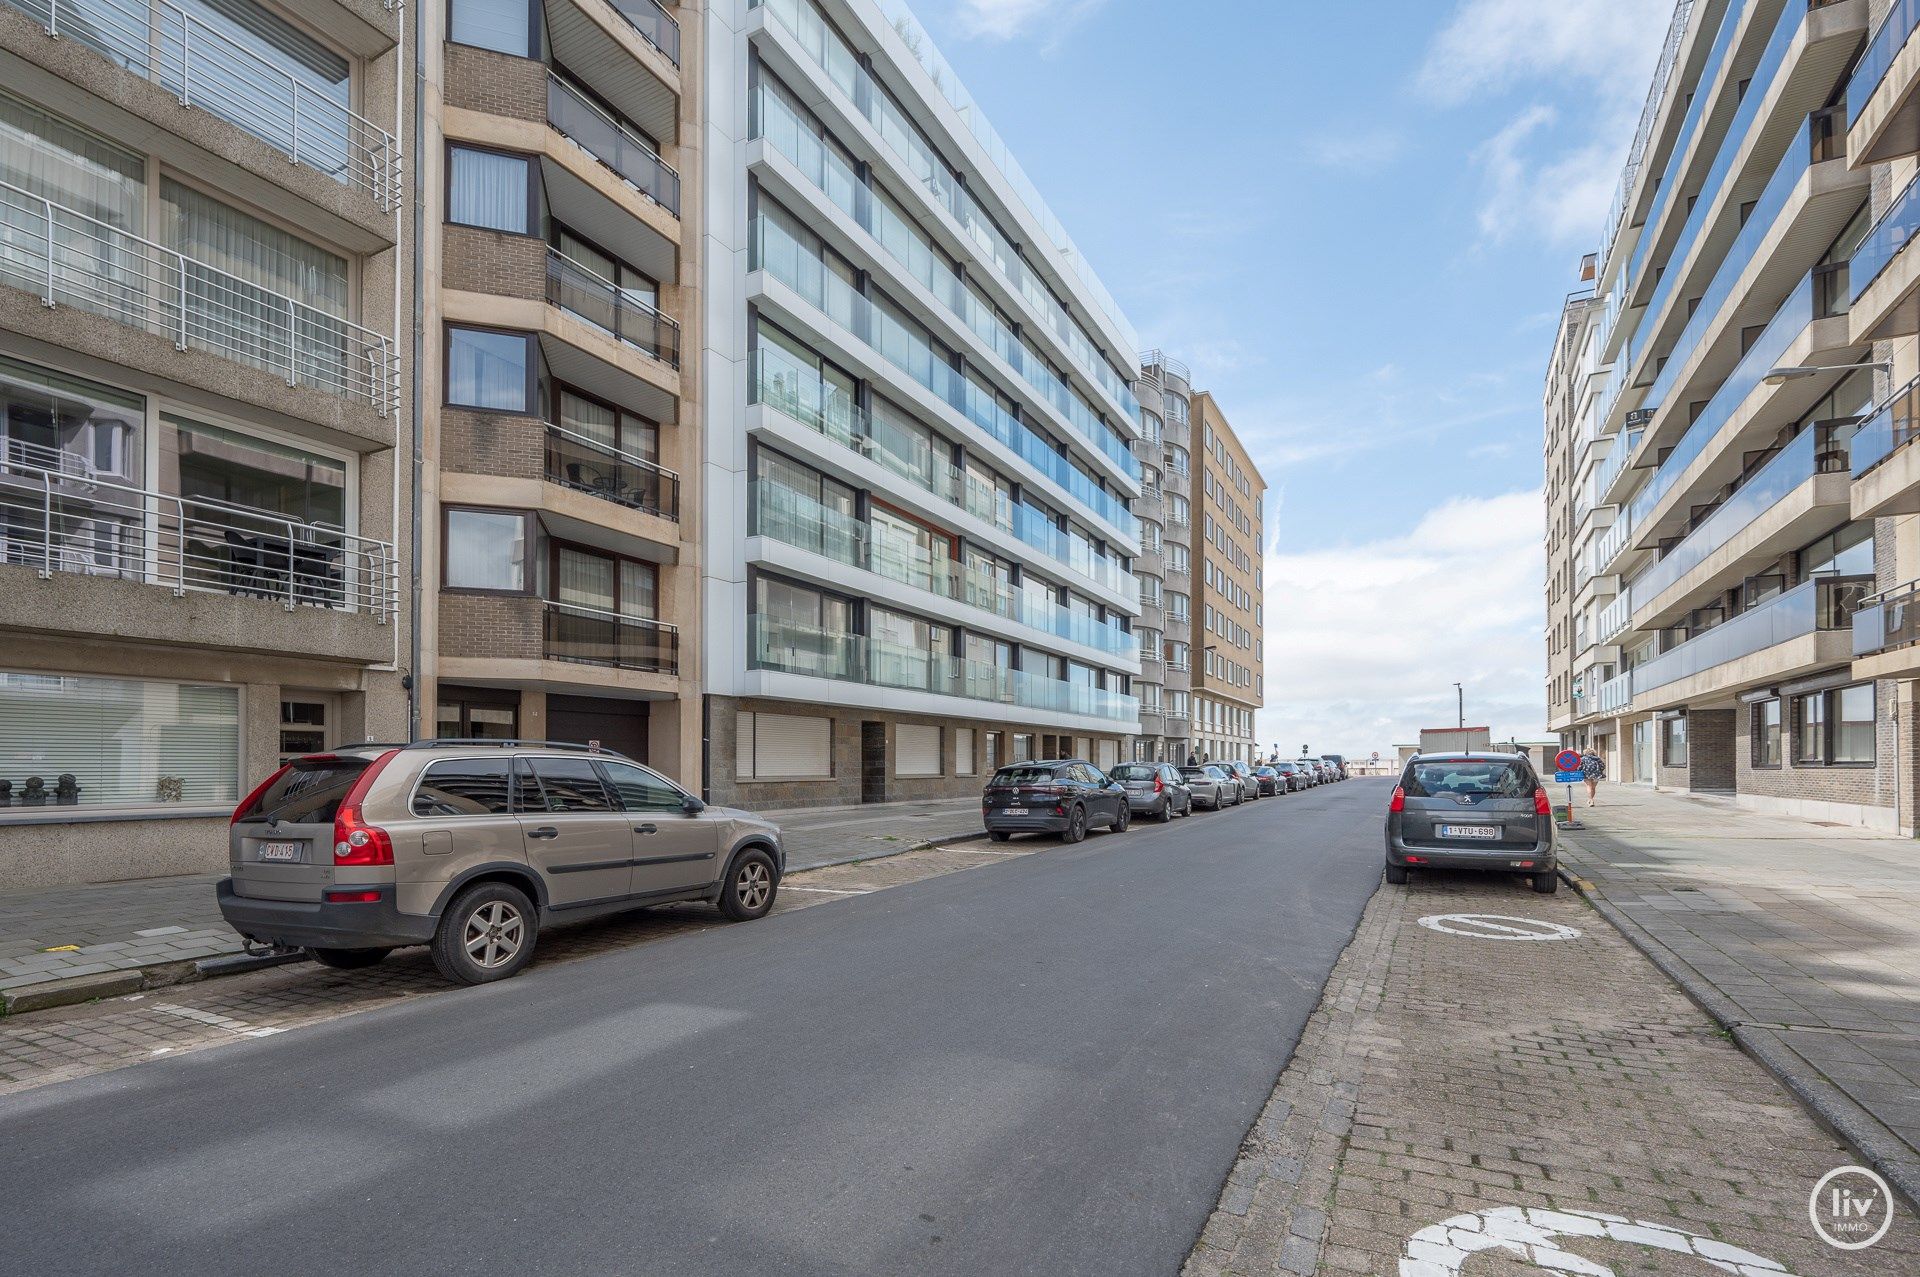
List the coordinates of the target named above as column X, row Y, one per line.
column 126, row 742
column 917, row 750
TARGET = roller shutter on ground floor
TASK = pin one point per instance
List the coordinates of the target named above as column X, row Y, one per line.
column 1109, row 754
column 783, row 747
column 916, row 750
column 963, row 751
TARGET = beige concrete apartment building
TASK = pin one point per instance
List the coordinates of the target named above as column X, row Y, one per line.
column 1229, row 578
column 1165, row 565
column 206, row 314
column 561, row 415
column 1566, row 454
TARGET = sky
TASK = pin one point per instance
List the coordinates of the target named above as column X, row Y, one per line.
column 1357, row 224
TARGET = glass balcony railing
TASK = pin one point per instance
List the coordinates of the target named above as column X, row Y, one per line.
column 655, row 25
column 587, row 295
column 1761, row 358
column 1614, row 464
column 1892, row 427
column 213, row 68
column 780, row 255
column 1896, row 26
column 793, row 648
column 1613, row 694
column 865, row 97
column 601, row 470
column 593, row 636
column 58, row 515
column 1890, row 621
column 1649, row 112
column 796, row 519
column 613, row 144
column 1887, row 237
column 776, row 122
column 70, row 259
column 1814, row 141
column 1826, row 603
column 1614, row 617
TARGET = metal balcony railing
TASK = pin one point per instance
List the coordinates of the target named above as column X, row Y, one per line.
column 655, row 25
column 594, row 636
column 586, row 294
column 65, row 518
column 207, row 68
column 601, row 470
column 70, row 259
column 613, row 144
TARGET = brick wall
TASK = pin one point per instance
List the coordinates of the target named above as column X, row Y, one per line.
column 1859, row 786
column 495, row 83
column 503, row 444
column 477, row 260
column 507, row 627
column 1710, row 753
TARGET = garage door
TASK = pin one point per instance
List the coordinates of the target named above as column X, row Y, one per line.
column 619, row 726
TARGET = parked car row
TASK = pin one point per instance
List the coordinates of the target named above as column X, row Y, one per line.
column 1071, row 796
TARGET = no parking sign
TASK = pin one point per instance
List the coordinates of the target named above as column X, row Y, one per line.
column 1566, row 766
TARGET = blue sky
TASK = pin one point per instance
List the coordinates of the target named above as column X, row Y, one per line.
column 1357, row 223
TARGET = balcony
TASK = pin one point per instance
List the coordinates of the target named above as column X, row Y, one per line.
column 1613, row 694
column 603, row 471
column 70, row 259
column 60, row 516
column 1883, row 114
column 207, row 68
column 1886, row 471
column 1615, row 618
column 1889, row 628
column 591, row 636
column 1886, row 301
column 655, row 25
column 589, row 296
column 791, row 648
column 1811, row 609
column 613, row 144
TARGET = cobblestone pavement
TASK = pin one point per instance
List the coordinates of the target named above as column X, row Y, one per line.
column 1808, row 933
column 52, row 1046
column 1445, row 1075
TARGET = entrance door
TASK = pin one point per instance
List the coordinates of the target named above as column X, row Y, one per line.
column 873, row 762
column 619, row 726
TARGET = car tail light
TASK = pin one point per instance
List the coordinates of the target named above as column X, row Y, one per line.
column 355, row 842
column 258, row 790
column 353, row 897
column 1399, row 802
column 1542, row 805
column 1415, row 860
column 1159, row 784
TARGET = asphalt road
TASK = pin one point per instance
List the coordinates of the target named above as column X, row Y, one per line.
column 1045, row 1065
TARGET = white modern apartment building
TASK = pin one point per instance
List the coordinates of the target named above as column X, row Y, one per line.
column 918, row 557
column 1710, row 552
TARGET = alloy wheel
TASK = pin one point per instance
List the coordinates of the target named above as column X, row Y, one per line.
column 494, row 933
column 753, row 884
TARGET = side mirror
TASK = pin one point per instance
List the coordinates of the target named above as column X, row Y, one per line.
column 692, row 806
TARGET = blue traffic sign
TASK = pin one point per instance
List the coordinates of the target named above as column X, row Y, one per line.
column 1568, row 778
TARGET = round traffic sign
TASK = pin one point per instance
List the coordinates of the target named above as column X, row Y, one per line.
column 1497, row 926
column 1567, row 760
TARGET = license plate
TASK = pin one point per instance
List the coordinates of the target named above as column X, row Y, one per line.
column 282, row 851
column 1486, row 833
column 1016, row 811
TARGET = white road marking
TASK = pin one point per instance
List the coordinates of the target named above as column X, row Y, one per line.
column 1533, row 1235
column 825, row 891
column 212, row 1020
column 1497, row 926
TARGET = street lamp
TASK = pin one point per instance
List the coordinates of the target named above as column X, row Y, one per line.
column 1461, row 692
column 1793, row 372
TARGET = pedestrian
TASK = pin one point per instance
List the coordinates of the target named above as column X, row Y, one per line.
column 1193, row 759
column 1594, row 768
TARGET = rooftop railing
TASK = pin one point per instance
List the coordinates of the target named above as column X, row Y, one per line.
column 613, row 144
column 586, row 294
column 70, row 259
column 206, row 67
column 595, row 636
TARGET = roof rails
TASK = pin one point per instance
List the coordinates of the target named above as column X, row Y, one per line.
column 469, row 742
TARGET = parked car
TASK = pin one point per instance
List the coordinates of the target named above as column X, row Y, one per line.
column 1249, row 787
column 472, row 848
column 1339, row 764
column 1270, row 780
column 1210, row 787
column 1155, row 789
column 1472, row 811
column 1314, row 774
column 1065, row 796
column 1293, row 774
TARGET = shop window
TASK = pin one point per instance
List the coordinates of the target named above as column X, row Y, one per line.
column 73, row 741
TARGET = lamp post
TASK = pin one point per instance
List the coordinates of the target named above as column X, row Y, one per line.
column 1460, row 693
column 1793, row 372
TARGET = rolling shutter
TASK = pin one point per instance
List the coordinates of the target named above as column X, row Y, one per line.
column 1109, row 754
column 963, row 751
column 917, row 750
column 784, row 747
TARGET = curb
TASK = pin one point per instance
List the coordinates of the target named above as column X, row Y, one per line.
column 1855, row 1125
column 933, row 840
column 72, row 990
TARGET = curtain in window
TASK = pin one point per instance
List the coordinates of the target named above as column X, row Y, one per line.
column 584, row 580
column 488, row 189
column 639, row 590
column 487, row 370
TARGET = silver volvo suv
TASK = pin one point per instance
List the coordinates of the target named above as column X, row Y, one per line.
column 472, row 847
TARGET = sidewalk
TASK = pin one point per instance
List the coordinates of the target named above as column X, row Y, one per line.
column 116, row 937
column 1802, row 938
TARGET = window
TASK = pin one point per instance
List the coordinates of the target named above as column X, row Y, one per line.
column 490, row 370
column 480, row 713
column 1673, row 742
column 215, row 467
column 505, row 26
column 1022, row 746
column 468, row 787
column 306, row 792
column 916, row 750
column 1853, row 724
column 1766, row 733
column 1810, row 728
column 571, row 785
column 490, row 189
column 124, row 742
column 486, row 550
column 782, row 747
column 639, row 789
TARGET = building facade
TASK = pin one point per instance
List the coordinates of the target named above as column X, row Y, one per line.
column 561, row 406
column 1227, row 498
column 205, row 307
column 1721, row 557
column 1165, row 565
column 918, row 561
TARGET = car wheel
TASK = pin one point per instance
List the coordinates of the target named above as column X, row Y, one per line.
column 751, row 885
column 1122, row 819
column 347, row 959
column 1076, row 825
column 487, row 934
column 998, row 835
column 1396, row 873
column 1166, row 810
column 1547, row 883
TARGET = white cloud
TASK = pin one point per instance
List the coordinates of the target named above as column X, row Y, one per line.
column 1012, row 19
column 1496, row 44
column 1365, row 641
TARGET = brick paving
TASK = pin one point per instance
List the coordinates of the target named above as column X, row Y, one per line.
column 1446, row 1076
column 1809, row 933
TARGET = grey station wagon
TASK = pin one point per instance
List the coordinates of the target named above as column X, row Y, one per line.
column 471, row 847
column 1472, row 811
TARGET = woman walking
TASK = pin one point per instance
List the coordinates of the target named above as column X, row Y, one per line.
column 1594, row 768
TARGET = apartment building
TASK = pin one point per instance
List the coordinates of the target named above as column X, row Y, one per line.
column 1568, row 443
column 1228, row 500
column 1720, row 557
column 920, row 460
column 206, row 299
column 1165, row 565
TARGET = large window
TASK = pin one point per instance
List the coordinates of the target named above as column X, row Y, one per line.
column 505, row 26
column 490, row 370
column 1766, row 733
column 1834, row 727
column 490, row 189
column 1673, row 742
column 72, row 741
column 212, row 464
column 486, row 550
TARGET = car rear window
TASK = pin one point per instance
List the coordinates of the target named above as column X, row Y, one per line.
column 1445, row 777
column 307, row 793
column 1196, row 773
column 1135, row 771
column 1025, row 776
